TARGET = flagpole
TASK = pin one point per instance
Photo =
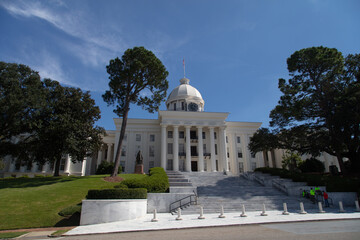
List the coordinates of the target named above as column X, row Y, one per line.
column 184, row 66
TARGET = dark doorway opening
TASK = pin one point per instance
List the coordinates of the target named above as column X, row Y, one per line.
column 194, row 166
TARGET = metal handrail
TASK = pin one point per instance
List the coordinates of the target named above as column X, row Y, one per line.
column 189, row 200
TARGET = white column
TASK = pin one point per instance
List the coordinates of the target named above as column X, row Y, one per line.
column 83, row 167
column 188, row 150
column 224, row 158
column 99, row 156
column 246, row 152
column 176, row 148
column 108, row 159
column 212, row 150
column 163, row 146
column 200, row 149
column 67, row 164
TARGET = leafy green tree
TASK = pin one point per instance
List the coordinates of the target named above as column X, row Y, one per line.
column 291, row 160
column 42, row 120
column 264, row 141
column 312, row 165
column 67, row 126
column 319, row 108
column 21, row 99
column 137, row 70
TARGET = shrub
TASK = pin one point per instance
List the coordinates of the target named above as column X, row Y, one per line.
column 119, row 193
column 69, row 211
column 156, row 182
column 121, row 185
column 312, row 165
column 106, row 168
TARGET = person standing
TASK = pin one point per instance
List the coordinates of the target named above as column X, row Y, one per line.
column 326, row 197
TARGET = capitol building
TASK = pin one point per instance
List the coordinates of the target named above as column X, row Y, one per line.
column 184, row 138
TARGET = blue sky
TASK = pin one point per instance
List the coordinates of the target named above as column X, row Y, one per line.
column 235, row 51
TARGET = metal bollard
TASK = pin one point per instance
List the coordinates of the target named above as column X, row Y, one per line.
column 320, row 207
column 285, row 212
column 357, row 206
column 201, row 213
column 243, row 214
column 263, row 211
column 341, row 207
column 154, row 218
column 302, row 210
column 222, row 212
column 179, row 214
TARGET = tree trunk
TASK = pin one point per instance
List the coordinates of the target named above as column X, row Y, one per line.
column 57, row 167
column 121, row 138
column 341, row 164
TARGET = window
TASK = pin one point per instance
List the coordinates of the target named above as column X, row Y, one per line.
column 214, row 135
column 241, row 167
column 181, row 134
column 62, row 164
column 174, row 106
column 227, row 141
column 151, row 164
column 193, row 135
column 181, row 149
column 40, row 167
column 253, row 155
column 203, row 135
column 215, row 149
column 138, row 137
column 151, row 151
column 169, row 164
column 228, row 155
column 253, row 166
column 152, row 138
column 122, row 164
column 29, row 165
column 182, row 106
column 240, row 154
column 170, row 148
column 238, row 139
column 204, row 148
column 123, row 151
column 193, row 150
column 170, row 134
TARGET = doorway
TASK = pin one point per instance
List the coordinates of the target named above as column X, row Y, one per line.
column 194, row 166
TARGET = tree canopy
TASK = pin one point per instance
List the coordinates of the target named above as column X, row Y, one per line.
column 320, row 106
column 44, row 120
column 138, row 71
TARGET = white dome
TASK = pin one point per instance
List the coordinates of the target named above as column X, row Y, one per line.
column 185, row 93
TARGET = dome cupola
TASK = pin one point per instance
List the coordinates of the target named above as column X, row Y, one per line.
column 185, row 98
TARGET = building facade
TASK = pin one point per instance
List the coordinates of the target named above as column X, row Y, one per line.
column 183, row 138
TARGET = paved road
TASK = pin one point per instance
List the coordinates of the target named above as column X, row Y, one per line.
column 324, row 230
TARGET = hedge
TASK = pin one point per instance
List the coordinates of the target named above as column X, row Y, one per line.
column 69, row 211
column 119, row 193
column 156, row 182
column 332, row 183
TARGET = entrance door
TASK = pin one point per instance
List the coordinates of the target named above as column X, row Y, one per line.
column 194, row 166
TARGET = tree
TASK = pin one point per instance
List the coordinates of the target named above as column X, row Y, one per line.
column 137, row 70
column 44, row 120
column 263, row 140
column 319, row 108
column 67, row 126
column 21, row 99
column 291, row 160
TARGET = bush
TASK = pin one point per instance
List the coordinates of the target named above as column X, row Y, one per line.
column 156, row 182
column 69, row 211
column 121, row 185
column 312, row 165
column 119, row 193
column 106, row 168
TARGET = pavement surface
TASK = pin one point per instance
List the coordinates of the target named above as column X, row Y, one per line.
column 167, row 221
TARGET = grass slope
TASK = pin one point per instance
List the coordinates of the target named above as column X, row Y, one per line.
column 35, row 202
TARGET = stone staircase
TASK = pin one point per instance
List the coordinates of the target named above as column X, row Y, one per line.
column 216, row 189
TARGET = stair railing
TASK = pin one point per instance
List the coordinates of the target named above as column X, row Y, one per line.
column 181, row 203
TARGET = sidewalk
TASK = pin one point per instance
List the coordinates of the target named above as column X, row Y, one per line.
column 167, row 221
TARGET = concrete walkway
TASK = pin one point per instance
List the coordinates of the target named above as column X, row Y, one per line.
column 167, row 221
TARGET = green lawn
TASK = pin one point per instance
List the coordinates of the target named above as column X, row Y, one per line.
column 35, row 202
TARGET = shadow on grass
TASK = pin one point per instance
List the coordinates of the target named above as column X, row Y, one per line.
column 73, row 220
column 33, row 182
